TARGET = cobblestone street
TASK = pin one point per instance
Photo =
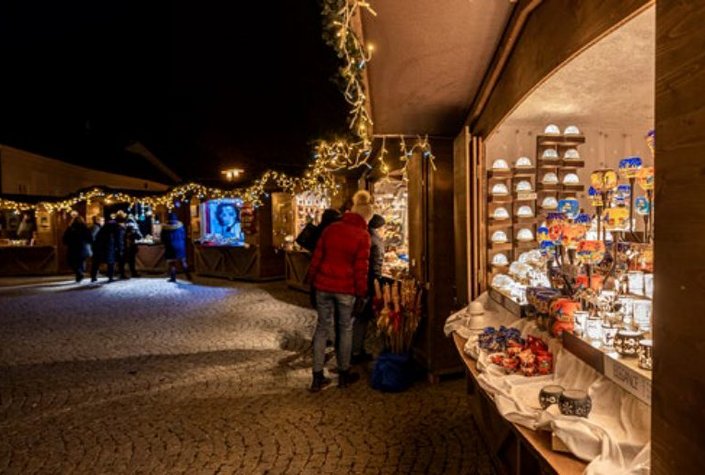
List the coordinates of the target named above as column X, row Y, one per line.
column 143, row 376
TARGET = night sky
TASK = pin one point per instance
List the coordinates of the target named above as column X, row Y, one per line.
column 203, row 85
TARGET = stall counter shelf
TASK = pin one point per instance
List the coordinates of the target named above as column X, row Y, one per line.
column 296, row 268
column 251, row 263
column 150, row 258
column 28, row 260
column 522, row 450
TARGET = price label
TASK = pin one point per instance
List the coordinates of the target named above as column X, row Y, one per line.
column 628, row 379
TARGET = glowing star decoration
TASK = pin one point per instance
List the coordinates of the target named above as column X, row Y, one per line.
column 570, row 207
column 629, row 167
column 645, row 179
column 642, row 206
column 590, row 252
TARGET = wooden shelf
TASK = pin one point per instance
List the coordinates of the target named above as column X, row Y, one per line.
column 524, row 172
column 505, row 246
column 545, row 187
column 549, row 163
column 499, row 224
column 560, row 140
column 573, row 188
column 572, row 163
column 532, row 220
column 499, row 174
column 526, row 244
column 500, row 199
column 524, row 195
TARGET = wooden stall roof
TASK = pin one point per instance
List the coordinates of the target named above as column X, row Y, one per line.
column 429, row 60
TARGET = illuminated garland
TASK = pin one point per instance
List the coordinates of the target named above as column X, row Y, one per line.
column 328, row 157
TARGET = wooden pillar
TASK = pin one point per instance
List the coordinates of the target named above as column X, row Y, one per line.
column 678, row 417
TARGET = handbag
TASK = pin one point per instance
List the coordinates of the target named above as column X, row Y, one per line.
column 307, row 237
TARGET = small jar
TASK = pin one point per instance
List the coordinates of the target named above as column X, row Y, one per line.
column 580, row 317
column 550, row 395
column 593, row 329
column 649, row 285
column 636, row 282
column 608, row 334
column 575, row 402
column 626, row 343
column 642, row 315
column 646, row 354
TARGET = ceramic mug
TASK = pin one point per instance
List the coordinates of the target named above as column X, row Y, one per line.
column 608, row 334
column 580, row 317
column 550, row 395
column 646, row 354
column 626, row 342
column 575, row 402
column 593, row 329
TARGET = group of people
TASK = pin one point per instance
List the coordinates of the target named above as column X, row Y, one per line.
column 347, row 259
column 115, row 243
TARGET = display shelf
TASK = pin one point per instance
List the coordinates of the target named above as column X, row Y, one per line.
column 532, row 220
column 560, row 140
column 572, row 163
column 526, row 245
column 573, row 188
column 624, row 371
column 524, row 195
column 500, row 246
column 499, row 174
column 549, row 163
column 548, row 187
column 506, row 301
column 524, row 172
column 499, row 224
column 500, row 198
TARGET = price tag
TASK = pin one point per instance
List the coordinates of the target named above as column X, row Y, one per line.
column 628, row 379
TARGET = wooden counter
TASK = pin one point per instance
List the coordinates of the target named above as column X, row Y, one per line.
column 297, row 264
column 514, row 449
column 150, row 258
column 238, row 263
column 28, row 260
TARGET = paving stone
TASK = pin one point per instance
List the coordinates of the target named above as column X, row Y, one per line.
column 142, row 376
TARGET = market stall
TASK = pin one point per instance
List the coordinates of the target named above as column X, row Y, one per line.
column 234, row 240
column 391, row 202
column 31, row 243
column 562, row 236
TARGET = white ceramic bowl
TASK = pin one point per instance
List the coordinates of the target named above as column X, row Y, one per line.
column 552, row 129
column 523, row 162
column 571, row 154
column 500, row 260
column 571, row 130
column 500, row 213
column 549, row 202
column 524, row 185
column 571, row 179
column 499, row 237
column 550, row 178
column 525, row 234
column 550, row 154
column 500, row 164
column 525, row 212
column 500, row 189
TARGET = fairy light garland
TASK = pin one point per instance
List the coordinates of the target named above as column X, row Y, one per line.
column 329, row 157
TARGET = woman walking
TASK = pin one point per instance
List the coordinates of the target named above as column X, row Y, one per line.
column 78, row 239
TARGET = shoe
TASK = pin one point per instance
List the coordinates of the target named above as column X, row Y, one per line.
column 94, row 279
column 319, row 382
column 171, row 279
column 111, row 280
column 346, row 378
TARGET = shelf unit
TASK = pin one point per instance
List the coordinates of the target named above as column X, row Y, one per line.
column 560, row 166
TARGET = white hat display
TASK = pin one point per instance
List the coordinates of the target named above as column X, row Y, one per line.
column 500, row 260
column 500, row 189
column 571, row 130
column 571, row 179
column 552, row 129
column 500, row 213
column 476, row 308
column 549, row 202
column 499, row 237
column 549, row 178
column 523, row 185
column 550, row 154
column 571, row 154
column 525, row 234
column 500, row 164
column 525, row 211
column 523, row 162
column 501, row 281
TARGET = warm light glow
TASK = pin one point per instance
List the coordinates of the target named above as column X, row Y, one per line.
column 232, row 173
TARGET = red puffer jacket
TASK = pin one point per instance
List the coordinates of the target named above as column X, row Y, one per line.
column 341, row 258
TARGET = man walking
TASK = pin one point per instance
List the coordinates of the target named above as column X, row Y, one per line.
column 338, row 272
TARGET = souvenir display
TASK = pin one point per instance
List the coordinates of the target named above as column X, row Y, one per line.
column 510, row 351
column 550, row 395
column 571, row 130
column 525, row 234
column 550, row 154
column 500, row 260
column 550, row 178
column 642, row 206
column 646, row 354
column 500, row 189
column 552, row 129
column 571, row 179
column 525, row 211
column 645, row 178
column 617, row 219
column 524, row 186
column 571, row 154
column 591, row 252
column 499, row 237
column 524, row 162
column 500, row 213
column 629, row 167
column 549, row 203
column 572, row 234
column 595, row 196
column 500, row 164
column 575, row 402
column 570, row 207
column 391, row 201
column 626, row 342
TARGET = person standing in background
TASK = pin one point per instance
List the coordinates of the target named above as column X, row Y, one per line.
column 132, row 235
column 173, row 236
column 78, row 240
column 338, row 272
column 26, row 228
column 109, row 246
column 374, row 273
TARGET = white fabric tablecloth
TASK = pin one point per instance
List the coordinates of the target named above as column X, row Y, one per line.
column 615, row 438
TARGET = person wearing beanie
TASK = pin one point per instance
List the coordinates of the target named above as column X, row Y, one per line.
column 173, row 236
column 338, row 272
column 374, row 273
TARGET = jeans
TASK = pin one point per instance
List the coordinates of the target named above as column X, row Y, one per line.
column 328, row 305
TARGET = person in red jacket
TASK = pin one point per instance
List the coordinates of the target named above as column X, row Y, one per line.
column 338, row 272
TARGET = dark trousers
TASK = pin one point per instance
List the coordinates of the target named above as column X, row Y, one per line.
column 96, row 265
column 78, row 269
column 131, row 258
column 172, row 268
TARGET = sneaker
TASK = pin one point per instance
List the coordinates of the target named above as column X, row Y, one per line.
column 319, row 382
column 346, row 378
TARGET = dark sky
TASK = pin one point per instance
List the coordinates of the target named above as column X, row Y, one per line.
column 203, row 85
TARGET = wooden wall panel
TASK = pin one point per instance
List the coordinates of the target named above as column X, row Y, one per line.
column 461, row 216
column 554, row 32
column 678, row 417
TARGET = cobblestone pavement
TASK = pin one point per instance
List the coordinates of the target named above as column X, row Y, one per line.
column 142, row 376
